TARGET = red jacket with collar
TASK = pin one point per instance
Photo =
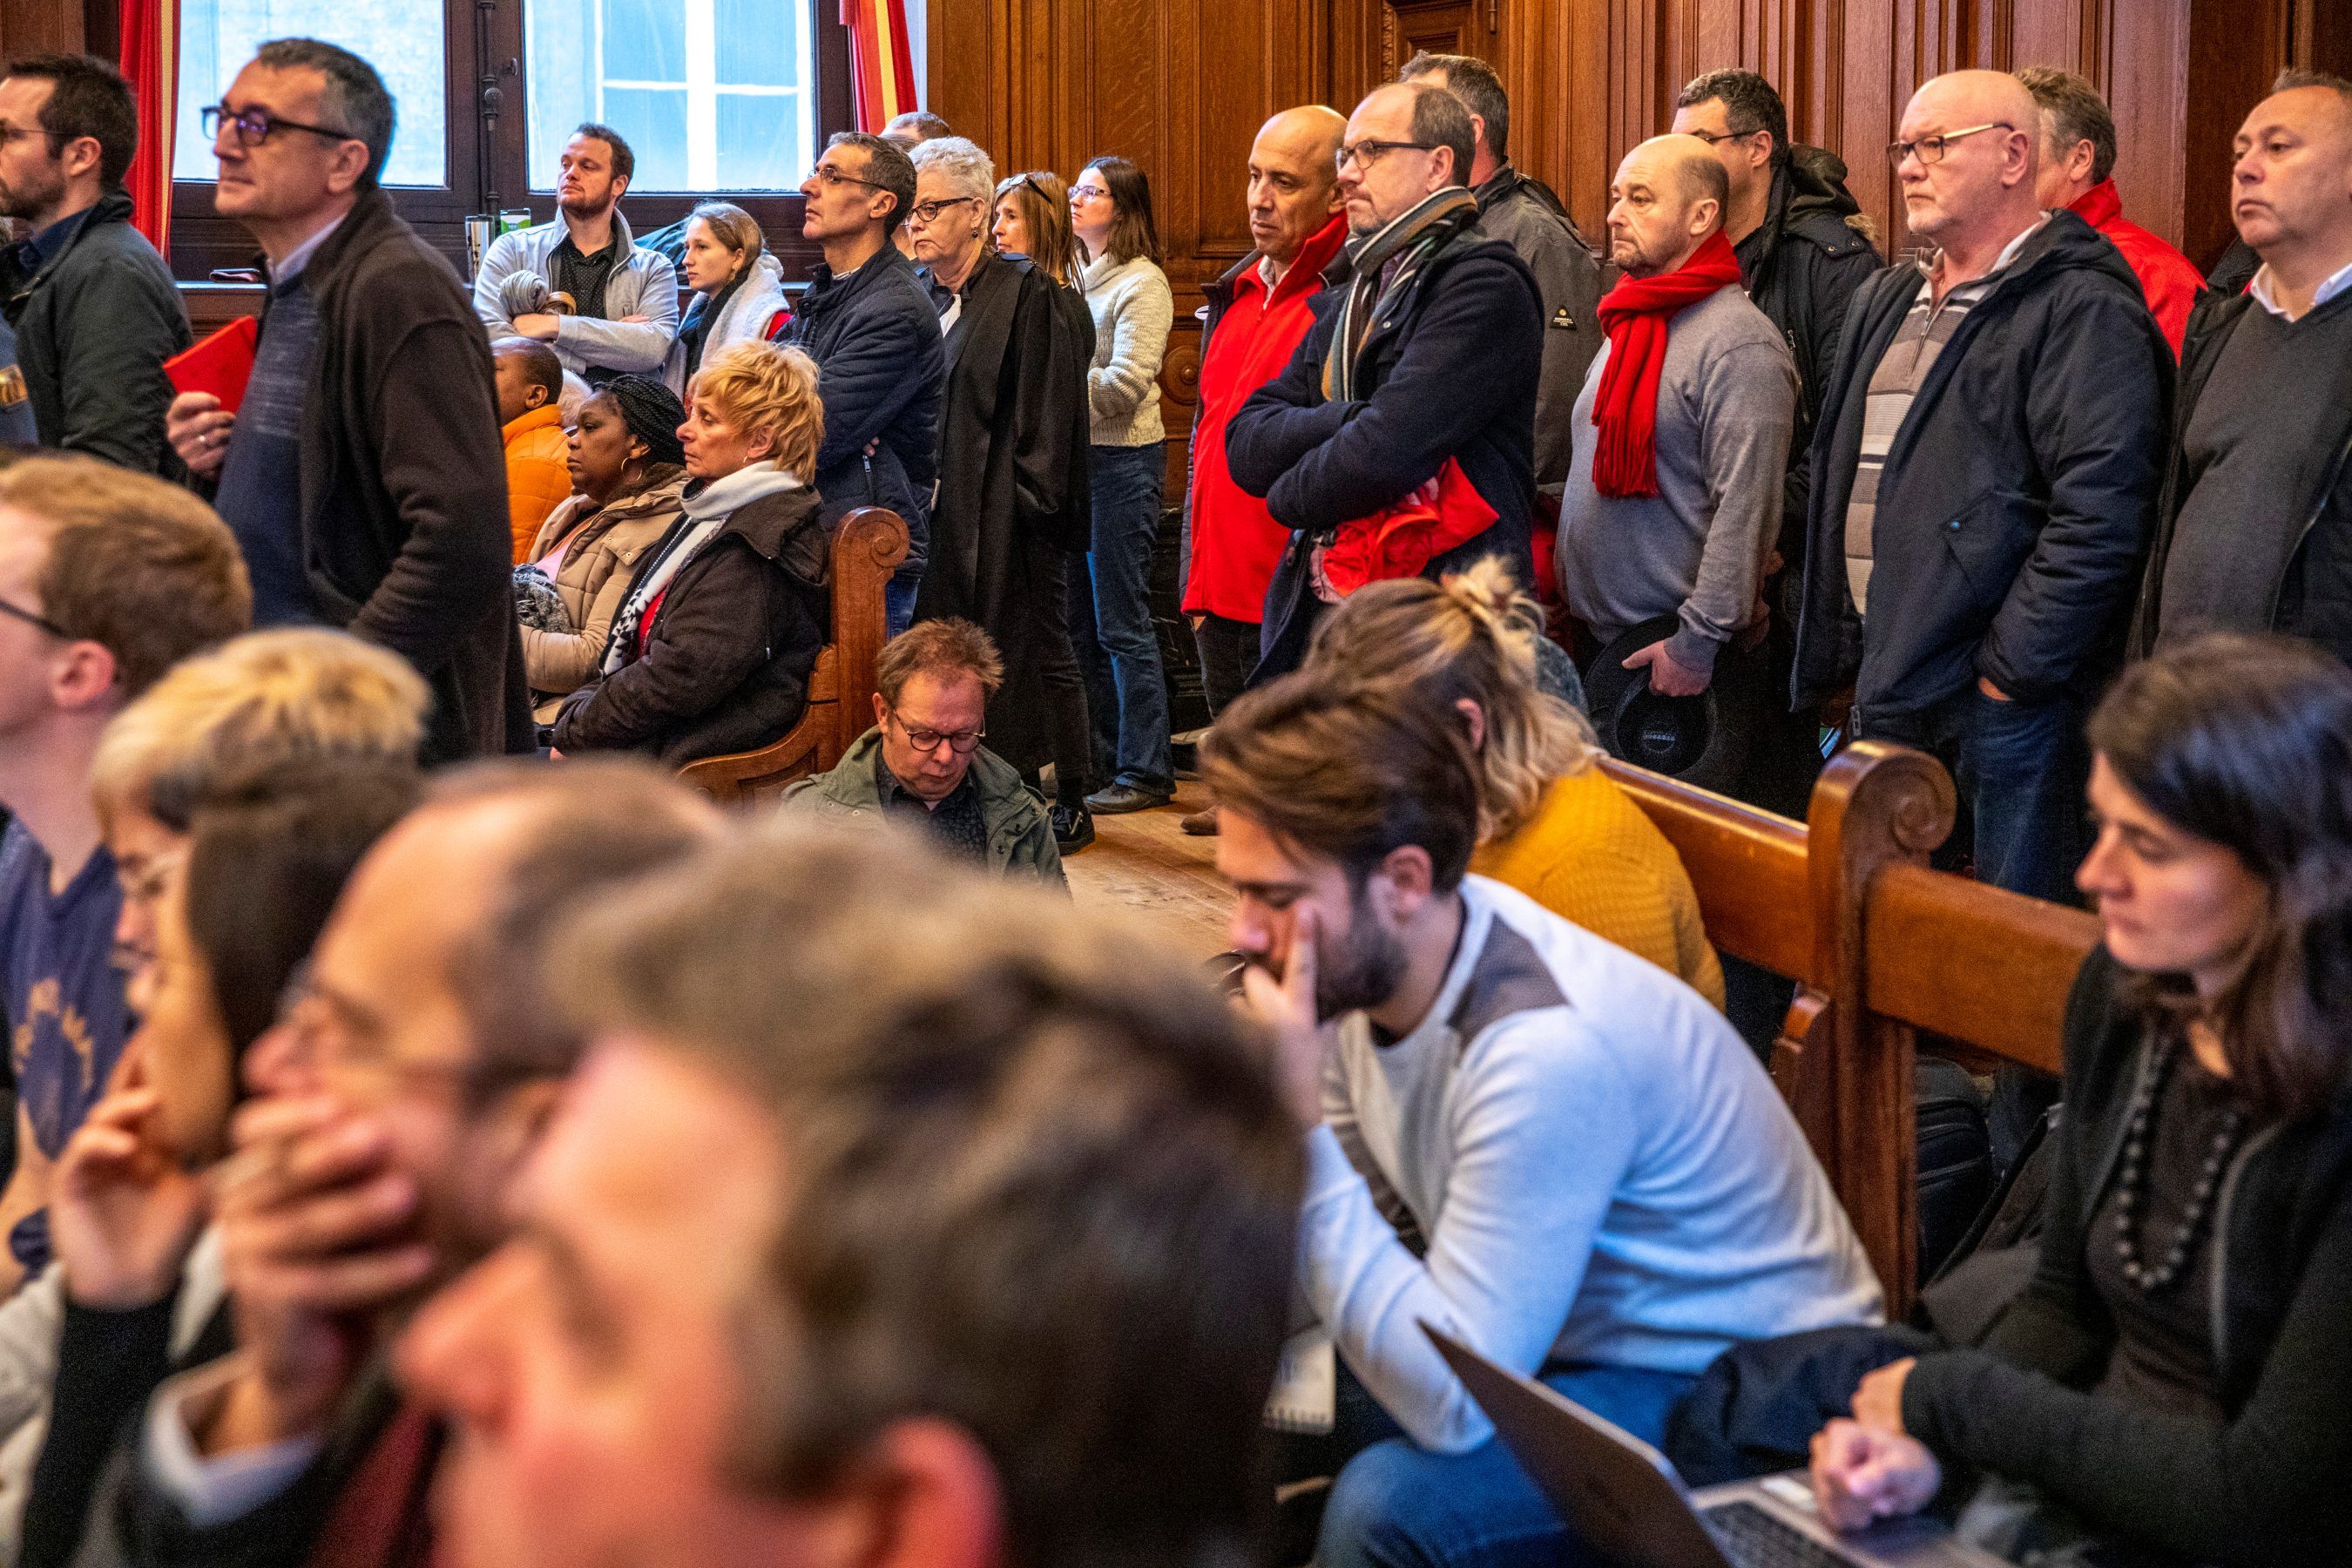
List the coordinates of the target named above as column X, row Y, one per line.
column 2170, row 279
column 1237, row 543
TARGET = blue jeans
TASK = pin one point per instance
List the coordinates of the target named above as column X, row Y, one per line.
column 1111, row 619
column 899, row 593
column 2021, row 768
column 1397, row 1505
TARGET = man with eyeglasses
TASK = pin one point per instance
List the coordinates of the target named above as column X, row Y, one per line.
column 873, row 332
column 618, row 298
column 1401, row 434
column 923, row 762
column 107, row 579
column 362, row 472
column 414, row 1063
column 92, row 305
column 1985, row 466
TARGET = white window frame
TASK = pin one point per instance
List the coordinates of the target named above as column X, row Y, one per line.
column 703, row 89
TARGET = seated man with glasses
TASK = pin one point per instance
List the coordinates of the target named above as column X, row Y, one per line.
column 923, row 759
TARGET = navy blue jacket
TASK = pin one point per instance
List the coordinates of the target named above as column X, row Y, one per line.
column 2017, row 504
column 874, row 336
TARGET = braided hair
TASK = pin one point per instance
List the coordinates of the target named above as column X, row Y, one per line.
column 653, row 413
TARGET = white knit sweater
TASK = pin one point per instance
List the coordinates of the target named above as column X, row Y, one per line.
column 1132, row 308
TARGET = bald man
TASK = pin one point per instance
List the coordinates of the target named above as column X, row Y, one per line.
column 2259, row 534
column 1681, row 440
column 1984, row 474
column 1524, row 214
column 1256, row 314
column 1413, row 396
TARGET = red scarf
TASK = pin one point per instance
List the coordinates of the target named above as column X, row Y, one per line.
column 1625, row 408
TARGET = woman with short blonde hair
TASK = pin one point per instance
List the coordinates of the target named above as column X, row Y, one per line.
column 1550, row 824
column 715, row 641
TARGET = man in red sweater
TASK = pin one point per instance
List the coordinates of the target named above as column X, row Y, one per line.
column 2078, row 159
column 1256, row 314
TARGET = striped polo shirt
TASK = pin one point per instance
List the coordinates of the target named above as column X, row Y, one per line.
column 1902, row 371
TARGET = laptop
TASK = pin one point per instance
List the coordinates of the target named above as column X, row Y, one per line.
column 1625, row 1502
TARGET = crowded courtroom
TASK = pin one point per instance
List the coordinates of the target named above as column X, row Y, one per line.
column 1176, row 783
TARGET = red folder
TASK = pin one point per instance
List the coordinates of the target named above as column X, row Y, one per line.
column 220, row 364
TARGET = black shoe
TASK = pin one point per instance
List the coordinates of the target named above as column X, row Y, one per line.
column 1074, row 829
column 1123, row 797
column 1201, row 823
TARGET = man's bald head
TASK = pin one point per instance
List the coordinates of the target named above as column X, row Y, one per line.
column 1669, row 195
column 1294, row 179
column 1970, row 179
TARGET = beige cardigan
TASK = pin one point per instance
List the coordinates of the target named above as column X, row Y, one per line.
column 594, row 579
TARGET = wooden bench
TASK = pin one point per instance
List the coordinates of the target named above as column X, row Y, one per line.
column 1881, row 948
column 867, row 547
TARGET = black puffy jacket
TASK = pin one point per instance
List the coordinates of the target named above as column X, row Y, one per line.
column 2017, row 503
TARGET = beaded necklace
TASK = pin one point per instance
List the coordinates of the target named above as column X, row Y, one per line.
column 2133, row 1176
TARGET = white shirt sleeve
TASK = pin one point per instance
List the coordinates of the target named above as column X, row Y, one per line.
column 1542, row 1132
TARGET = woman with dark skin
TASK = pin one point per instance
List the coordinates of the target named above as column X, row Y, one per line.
column 627, row 476
column 2172, row 1385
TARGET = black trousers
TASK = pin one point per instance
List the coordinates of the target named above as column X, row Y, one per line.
column 1066, row 734
column 1228, row 654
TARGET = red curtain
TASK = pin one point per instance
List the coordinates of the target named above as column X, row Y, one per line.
column 151, row 61
column 881, row 63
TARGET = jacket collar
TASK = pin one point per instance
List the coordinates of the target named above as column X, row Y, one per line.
column 1439, row 214
column 826, row 287
column 1004, row 801
column 2098, row 207
column 1305, row 274
column 370, row 219
column 538, row 419
column 112, row 207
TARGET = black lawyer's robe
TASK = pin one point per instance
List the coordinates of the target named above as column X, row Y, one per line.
column 1012, row 474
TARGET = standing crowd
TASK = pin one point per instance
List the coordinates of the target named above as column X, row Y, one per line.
column 440, row 1135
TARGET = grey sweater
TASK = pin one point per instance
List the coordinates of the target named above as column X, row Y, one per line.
column 1726, row 403
column 1132, row 308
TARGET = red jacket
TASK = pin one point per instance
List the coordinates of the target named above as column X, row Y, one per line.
column 1237, row 543
column 2170, row 279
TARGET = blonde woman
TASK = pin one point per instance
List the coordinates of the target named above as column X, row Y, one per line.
column 739, row 289
column 714, row 643
column 1551, row 823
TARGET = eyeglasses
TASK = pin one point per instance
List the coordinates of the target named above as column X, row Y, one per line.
column 1930, row 148
column 254, row 126
column 19, row 612
column 1366, row 152
column 962, row 742
column 928, row 213
column 10, row 132
column 1087, row 193
column 832, row 178
column 1712, row 137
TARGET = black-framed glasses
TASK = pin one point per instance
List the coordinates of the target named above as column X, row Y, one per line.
column 962, row 742
column 10, row 132
column 928, row 213
column 1712, row 137
column 1929, row 150
column 34, row 619
column 254, row 126
column 833, row 177
column 1366, row 152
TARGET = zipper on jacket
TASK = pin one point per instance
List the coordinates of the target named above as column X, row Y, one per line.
column 2217, row 1293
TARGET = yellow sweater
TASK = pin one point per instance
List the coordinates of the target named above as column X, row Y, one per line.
column 1591, row 856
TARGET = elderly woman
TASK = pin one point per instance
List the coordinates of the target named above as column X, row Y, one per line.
column 714, row 642
column 739, row 289
column 1012, row 508
column 1127, row 465
column 627, row 472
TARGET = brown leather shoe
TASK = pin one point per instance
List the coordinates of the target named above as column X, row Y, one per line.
column 1201, row 823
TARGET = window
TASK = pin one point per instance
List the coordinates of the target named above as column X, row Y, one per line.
column 402, row 39
column 713, row 95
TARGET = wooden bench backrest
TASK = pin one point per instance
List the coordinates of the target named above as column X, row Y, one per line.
column 866, row 548
column 1881, row 948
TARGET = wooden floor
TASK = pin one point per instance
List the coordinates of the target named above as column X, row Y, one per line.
column 1144, row 862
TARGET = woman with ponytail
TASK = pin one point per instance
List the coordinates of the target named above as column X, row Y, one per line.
column 2172, row 1385
column 1551, row 823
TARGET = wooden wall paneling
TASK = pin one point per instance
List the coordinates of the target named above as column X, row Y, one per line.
column 31, row 26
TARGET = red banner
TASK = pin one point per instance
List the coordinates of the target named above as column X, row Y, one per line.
column 881, row 62
column 151, row 61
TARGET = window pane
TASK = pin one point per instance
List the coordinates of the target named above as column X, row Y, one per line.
column 645, row 40
column 763, row 142
column 402, row 39
column 757, row 47
column 653, row 121
column 616, row 60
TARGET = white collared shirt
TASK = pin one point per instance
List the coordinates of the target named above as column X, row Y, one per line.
column 2336, row 283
